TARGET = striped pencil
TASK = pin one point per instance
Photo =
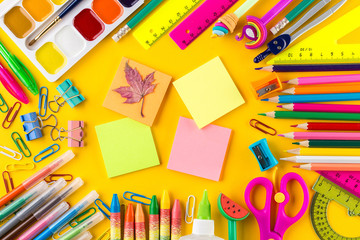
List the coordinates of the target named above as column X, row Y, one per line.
column 322, row 135
column 330, row 167
column 315, row 107
column 325, row 79
column 303, row 98
column 323, row 89
column 323, row 159
column 325, row 151
column 313, row 115
column 339, row 126
column 328, row 144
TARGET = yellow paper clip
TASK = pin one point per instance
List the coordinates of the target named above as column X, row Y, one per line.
column 3, row 104
column 19, row 139
column 8, row 181
column 105, row 236
column 189, row 215
column 19, row 167
column 14, row 110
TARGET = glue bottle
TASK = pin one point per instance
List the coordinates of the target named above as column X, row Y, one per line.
column 203, row 226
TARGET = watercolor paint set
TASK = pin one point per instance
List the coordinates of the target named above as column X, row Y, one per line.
column 73, row 35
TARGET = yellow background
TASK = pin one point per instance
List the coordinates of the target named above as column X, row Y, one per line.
column 93, row 75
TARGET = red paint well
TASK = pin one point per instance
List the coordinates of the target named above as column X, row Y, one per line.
column 88, row 24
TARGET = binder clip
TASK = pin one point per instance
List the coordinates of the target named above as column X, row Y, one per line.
column 75, row 134
column 69, row 94
column 3, row 105
column 263, row 154
column 15, row 108
column 33, row 125
column 43, row 101
column 265, row 86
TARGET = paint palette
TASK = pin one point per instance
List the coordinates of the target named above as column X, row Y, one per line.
column 78, row 32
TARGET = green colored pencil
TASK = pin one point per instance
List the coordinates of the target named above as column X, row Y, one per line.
column 313, row 115
column 329, row 144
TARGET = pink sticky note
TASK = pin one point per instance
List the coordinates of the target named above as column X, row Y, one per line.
column 199, row 152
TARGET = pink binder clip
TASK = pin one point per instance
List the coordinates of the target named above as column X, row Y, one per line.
column 75, row 133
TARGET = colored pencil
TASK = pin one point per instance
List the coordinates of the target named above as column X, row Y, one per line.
column 154, row 219
column 176, row 221
column 325, row 151
column 313, row 115
column 115, row 218
column 140, row 232
column 304, row 98
column 325, row 79
column 328, row 144
column 323, row 159
column 315, row 107
column 322, row 89
column 339, row 126
column 129, row 223
column 165, row 216
column 311, row 67
column 330, row 167
column 322, row 135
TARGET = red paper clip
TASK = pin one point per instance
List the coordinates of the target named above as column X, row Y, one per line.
column 10, row 121
column 9, row 183
column 257, row 125
column 54, row 177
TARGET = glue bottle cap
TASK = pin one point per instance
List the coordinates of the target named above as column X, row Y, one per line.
column 204, row 212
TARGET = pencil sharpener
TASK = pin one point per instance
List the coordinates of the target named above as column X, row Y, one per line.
column 267, row 85
column 263, row 155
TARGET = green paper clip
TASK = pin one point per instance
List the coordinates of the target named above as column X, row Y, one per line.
column 3, row 103
column 18, row 138
column 53, row 148
column 79, row 218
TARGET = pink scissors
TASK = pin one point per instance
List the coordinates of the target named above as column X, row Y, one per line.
column 263, row 217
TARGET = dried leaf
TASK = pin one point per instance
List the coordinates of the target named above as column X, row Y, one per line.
column 138, row 88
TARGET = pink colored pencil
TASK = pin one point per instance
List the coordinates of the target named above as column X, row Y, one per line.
column 330, row 166
column 325, row 79
column 313, row 107
column 322, row 135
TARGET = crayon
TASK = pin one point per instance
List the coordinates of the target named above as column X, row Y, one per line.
column 129, row 223
column 154, row 219
column 115, row 219
column 176, row 221
column 140, row 232
column 165, row 216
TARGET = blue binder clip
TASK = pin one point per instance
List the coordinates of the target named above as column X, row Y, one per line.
column 263, row 154
column 69, row 93
column 32, row 125
column 53, row 149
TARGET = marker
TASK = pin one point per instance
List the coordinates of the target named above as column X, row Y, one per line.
column 129, row 223
column 140, row 233
column 115, row 218
column 154, row 219
column 176, row 221
column 37, row 177
column 66, row 217
column 165, row 216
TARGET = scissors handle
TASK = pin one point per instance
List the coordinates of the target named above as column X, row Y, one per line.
column 283, row 221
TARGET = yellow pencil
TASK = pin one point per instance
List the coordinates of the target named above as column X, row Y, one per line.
column 325, row 151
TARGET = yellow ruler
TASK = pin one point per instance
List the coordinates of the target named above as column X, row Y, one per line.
column 162, row 20
column 337, row 42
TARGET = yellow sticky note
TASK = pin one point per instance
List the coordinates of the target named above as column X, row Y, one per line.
column 127, row 146
column 209, row 92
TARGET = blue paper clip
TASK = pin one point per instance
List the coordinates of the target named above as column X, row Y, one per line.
column 69, row 93
column 19, row 139
column 263, row 154
column 100, row 209
column 2, row 104
column 53, row 148
column 136, row 195
column 43, row 101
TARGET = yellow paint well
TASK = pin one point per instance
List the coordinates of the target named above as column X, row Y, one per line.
column 51, row 58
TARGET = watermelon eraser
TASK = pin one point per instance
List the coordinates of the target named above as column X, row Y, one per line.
column 233, row 212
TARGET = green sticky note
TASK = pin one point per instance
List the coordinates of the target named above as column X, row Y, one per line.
column 127, row 146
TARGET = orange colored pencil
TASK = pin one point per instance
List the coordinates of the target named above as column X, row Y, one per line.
column 323, row 89
column 330, row 166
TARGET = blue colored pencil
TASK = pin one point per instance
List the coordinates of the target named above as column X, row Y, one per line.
column 314, row 98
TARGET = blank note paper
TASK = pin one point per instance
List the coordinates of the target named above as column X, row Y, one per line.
column 127, row 146
column 209, row 92
column 199, row 152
